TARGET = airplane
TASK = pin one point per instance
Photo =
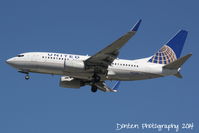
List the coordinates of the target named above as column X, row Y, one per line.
column 79, row 70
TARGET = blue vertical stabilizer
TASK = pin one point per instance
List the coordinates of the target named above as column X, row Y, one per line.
column 171, row 51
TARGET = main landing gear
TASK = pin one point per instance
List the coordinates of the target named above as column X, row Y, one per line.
column 94, row 88
column 95, row 79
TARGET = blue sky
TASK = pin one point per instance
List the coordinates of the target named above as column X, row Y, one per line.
column 84, row 27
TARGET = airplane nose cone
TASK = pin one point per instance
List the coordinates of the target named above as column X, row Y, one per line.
column 14, row 62
column 9, row 61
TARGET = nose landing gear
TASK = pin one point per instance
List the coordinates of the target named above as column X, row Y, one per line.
column 27, row 74
column 27, row 77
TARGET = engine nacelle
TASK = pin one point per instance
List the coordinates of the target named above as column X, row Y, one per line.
column 74, row 65
column 67, row 82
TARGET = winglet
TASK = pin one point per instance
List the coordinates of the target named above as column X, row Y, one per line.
column 136, row 26
column 116, row 86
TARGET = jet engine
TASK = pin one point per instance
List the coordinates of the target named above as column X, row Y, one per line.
column 68, row 82
column 74, row 65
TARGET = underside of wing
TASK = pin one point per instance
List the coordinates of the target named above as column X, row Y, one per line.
column 101, row 60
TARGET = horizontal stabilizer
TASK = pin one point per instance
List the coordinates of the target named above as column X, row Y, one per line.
column 177, row 63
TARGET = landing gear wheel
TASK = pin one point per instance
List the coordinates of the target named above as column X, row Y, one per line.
column 94, row 88
column 27, row 77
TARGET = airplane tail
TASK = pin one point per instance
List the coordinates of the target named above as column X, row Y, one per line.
column 177, row 64
column 171, row 51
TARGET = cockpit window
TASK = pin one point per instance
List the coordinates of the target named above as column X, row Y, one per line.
column 20, row 55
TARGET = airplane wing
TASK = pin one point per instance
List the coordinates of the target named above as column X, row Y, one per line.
column 103, row 87
column 101, row 60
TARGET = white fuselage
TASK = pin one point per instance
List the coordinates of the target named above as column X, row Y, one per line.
column 72, row 65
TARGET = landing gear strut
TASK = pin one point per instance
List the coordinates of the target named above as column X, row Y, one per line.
column 27, row 74
column 94, row 88
column 95, row 79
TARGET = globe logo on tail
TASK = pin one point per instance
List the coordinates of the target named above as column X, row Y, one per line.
column 164, row 56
